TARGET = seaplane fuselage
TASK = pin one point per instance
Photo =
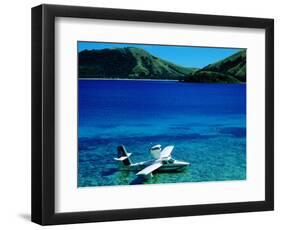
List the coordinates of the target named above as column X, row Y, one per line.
column 167, row 166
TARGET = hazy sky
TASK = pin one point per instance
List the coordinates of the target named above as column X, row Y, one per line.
column 189, row 56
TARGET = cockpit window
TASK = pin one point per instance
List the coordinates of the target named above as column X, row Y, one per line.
column 155, row 148
column 171, row 161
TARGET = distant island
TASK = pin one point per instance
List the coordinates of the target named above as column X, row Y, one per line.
column 137, row 63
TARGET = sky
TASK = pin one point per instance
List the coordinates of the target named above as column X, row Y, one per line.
column 188, row 56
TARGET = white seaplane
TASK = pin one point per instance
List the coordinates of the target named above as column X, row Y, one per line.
column 162, row 161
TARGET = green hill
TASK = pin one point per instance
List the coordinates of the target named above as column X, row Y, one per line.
column 229, row 70
column 129, row 62
column 136, row 63
column 211, row 77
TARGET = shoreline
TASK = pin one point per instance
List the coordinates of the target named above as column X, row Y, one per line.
column 125, row 79
column 166, row 80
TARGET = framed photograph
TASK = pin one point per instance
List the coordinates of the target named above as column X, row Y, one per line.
column 142, row 114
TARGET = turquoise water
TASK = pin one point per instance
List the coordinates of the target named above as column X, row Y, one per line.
column 205, row 122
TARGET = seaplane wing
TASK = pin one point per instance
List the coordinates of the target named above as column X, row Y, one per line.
column 167, row 151
column 149, row 169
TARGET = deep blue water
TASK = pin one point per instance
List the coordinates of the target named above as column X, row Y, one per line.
column 205, row 122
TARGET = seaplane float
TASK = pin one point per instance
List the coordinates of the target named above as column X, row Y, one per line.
column 162, row 161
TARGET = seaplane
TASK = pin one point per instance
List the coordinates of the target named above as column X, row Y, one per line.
column 162, row 161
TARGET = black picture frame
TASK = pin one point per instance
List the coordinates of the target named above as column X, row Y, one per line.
column 43, row 114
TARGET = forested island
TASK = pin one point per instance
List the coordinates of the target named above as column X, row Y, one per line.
column 137, row 63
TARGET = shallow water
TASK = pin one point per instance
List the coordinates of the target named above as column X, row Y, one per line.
column 205, row 122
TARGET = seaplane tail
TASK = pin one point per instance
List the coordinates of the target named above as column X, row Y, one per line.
column 123, row 155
